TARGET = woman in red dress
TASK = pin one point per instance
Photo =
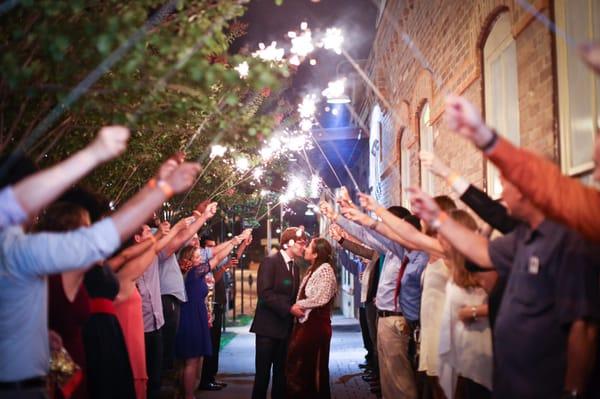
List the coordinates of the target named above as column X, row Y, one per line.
column 307, row 367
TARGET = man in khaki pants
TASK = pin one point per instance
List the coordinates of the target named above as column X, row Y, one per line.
column 398, row 301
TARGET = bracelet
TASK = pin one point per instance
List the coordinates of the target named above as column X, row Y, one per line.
column 163, row 185
column 488, row 146
column 474, row 312
column 374, row 224
column 197, row 213
column 341, row 240
column 437, row 222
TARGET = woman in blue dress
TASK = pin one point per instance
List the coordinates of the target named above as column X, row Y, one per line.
column 192, row 341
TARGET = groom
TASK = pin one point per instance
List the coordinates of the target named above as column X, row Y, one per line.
column 277, row 285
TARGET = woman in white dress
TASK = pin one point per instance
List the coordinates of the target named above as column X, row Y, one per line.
column 307, row 367
column 465, row 346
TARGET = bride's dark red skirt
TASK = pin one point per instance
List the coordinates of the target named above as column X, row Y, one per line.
column 307, row 366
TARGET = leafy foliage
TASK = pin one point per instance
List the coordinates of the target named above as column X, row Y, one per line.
column 176, row 89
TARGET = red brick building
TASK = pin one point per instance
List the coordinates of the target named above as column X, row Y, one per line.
column 528, row 82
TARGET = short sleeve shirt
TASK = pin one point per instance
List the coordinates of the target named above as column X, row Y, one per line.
column 11, row 211
column 553, row 281
column 171, row 279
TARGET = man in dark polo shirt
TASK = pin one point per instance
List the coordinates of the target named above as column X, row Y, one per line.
column 546, row 329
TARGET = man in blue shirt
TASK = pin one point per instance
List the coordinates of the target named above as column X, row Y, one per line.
column 398, row 303
column 26, row 260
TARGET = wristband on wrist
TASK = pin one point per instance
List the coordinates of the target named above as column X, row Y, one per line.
column 491, row 143
column 197, row 213
column 379, row 210
column 163, row 185
column 341, row 240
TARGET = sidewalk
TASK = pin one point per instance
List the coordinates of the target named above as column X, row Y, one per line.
column 236, row 363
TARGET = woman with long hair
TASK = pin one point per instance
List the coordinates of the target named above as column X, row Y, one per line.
column 465, row 346
column 307, row 368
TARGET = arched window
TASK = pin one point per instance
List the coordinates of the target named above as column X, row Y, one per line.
column 578, row 86
column 426, row 144
column 501, row 90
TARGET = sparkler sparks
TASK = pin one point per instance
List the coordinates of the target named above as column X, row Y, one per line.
column 269, row 53
column 302, row 43
column 333, row 40
column 335, row 89
column 217, row 151
column 307, row 107
column 242, row 164
column 257, row 174
column 315, row 186
column 243, row 69
column 306, row 125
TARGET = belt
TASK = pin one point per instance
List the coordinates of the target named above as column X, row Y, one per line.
column 387, row 313
column 102, row 305
column 36, row 382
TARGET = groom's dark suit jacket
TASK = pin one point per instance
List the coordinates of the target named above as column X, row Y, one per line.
column 277, row 291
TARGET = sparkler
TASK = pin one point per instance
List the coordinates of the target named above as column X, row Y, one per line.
column 243, row 69
column 335, row 89
column 333, row 40
column 306, row 125
column 258, row 173
column 308, row 107
column 302, row 44
column 217, row 151
column 242, row 164
column 269, row 53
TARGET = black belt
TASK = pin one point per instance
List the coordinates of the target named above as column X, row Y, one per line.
column 36, row 382
column 387, row 313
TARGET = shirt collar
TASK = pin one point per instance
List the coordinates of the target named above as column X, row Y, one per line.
column 543, row 229
column 286, row 257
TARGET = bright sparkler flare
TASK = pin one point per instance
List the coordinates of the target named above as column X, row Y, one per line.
column 243, row 69
column 269, row 53
column 302, row 44
column 335, row 89
column 308, row 107
column 242, row 164
column 306, row 125
column 257, row 174
column 217, row 151
column 296, row 143
column 315, row 186
column 333, row 40
column 296, row 187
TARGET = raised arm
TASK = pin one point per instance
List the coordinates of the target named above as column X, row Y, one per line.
column 560, row 197
column 336, row 233
column 172, row 179
column 41, row 189
column 467, row 242
column 400, row 230
column 237, row 240
column 189, row 229
column 134, row 268
column 370, row 237
column 490, row 211
column 130, row 253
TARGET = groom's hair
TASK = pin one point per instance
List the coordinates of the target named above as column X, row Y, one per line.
column 292, row 233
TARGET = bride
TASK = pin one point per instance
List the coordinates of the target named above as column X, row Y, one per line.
column 307, row 366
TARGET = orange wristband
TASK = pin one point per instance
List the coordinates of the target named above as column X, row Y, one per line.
column 452, row 178
column 163, row 185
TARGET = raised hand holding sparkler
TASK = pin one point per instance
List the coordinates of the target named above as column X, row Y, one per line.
column 368, row 202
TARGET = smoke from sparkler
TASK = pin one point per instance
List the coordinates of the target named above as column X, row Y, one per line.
column 335, row 89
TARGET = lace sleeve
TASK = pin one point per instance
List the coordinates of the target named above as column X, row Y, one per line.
column 320, row 288
column 201, row 270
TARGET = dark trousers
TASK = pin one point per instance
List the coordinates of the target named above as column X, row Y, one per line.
column 154, row 355
column 364, row 328
column 270, row 352
column 30, row 393
column 371, row 315
column 210, row 364
column 171, row 308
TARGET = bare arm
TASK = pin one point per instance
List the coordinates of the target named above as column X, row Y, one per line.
column 189, row 230
column 133, row 269
column 140, row 207
column 467, row 242
column 581, row 354
column 130, row 253
column 37, row 191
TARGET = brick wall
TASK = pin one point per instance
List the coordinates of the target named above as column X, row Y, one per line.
column 451, row 35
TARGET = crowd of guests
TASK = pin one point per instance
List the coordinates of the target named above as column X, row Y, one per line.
column 99, row 303
column 505, row 308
